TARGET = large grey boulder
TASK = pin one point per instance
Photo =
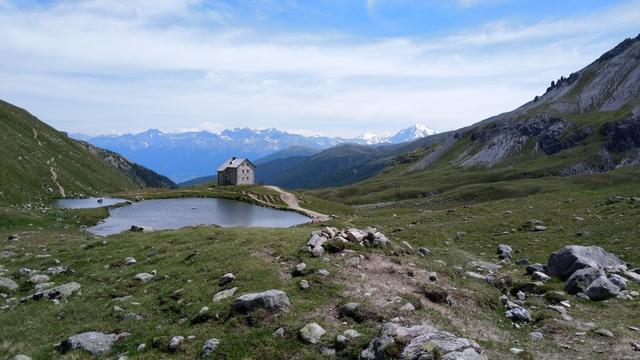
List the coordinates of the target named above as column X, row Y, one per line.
column 580, row 280
column 8, row 284
column 601, row 289
column 316, row 240
column 311, row 333
column 95, row 343
column 380, row 240
column 420, row 342
column 571, row 258
column 55, row 293
column 519, row 315
column 270, row 300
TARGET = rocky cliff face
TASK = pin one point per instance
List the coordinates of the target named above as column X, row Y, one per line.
column 597, row 108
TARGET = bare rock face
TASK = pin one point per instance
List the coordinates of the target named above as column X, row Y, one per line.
column 95, row 343
column 420, row 342
column 270, row 300
column 571, row 258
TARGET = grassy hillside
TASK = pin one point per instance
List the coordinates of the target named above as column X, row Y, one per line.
column 39, row 163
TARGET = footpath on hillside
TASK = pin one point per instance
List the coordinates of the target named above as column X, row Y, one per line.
column 292, row 203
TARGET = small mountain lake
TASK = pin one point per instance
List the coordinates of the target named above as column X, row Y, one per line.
column 163, row 214
column 88, row 203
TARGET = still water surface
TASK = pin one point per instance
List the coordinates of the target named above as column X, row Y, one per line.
column 165, row 214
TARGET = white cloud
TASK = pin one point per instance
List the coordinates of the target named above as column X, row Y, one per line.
column 102, row 64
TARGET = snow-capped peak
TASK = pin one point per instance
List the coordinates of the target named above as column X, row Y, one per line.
column 370, row 138
column 411, row 133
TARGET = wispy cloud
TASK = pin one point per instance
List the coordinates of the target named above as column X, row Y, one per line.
column 101, row 65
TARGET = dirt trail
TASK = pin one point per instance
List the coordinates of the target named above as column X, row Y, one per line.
column 292, row 202
column 54, row 178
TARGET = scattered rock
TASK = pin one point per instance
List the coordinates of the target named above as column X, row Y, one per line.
column 580, row 280
column 504, row 251
column 540, row 276
column 408, row 307
column 317, row 251
column 129, row 261
column 39, row 278
column 55, row 293
column 136, row 228
column 210, row 347
column 516, row 351
column 304, row 284
column 635, row 346
column 356, row 312
column 279, row 332
column 530, row 269
column 604, row 332
column 95, row 343
column 483, row 265
column 522, row 262
column 132, row 316
column 14, row 237
column 323, row 272
column 601, row 289
column 8, row 284
column 536, row 336
column 539, row 228
column 519, row 315
column 175, row 342
column 56, row 270
column 351, row 333
column 571, row 258
column 420, row 342
column 224, row 294
column 424, row 251
column 270, row 300
column 299, row 269
column 311, row 333
column 435, row 294
column 144, row 277
column 327, row 351
column 226, row 279
column 342, row 341
column 21, row 357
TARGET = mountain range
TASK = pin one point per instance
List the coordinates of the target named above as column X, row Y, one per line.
column 188, row 155
column 585, row 122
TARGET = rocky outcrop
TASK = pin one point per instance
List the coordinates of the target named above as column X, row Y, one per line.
column 571, row 258
column 333, row 240
column 270, row 300
column 622, row 135
column 95, row 343
column 420, row 342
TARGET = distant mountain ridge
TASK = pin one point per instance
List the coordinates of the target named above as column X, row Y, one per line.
column 587, row 122
column 188, row 155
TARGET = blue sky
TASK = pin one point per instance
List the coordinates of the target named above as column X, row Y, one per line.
column 334, row 67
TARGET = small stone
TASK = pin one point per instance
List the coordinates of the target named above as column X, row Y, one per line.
column 327, row 351
column 519, row 315
column 604, row 332
column 132, row 316
column 536, row 336
column 8, row 284
column 311, row 333
column 539, row 228
column 423, row 251
column 95, row 343
column 144, row 277
column 323, row 272
column 14, row 237
column 279, row 332
column 270, row 300
column 522, row 262
column 21, row 357
column 39, row 278
column 304, row 284
column 540, row 276
column 516, row 351
column 226, row 279
column 342, row 341
column 408, row 307
column 299, row 269
column 351, row 334
column 130, row 261
column 317, row 251
column 141, row 347
column 174, row 343
column 210, row 347
column 521, row 296
column 635, row 346
column 224, row 294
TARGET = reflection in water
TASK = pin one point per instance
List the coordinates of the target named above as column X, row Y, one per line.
column 176, row 213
